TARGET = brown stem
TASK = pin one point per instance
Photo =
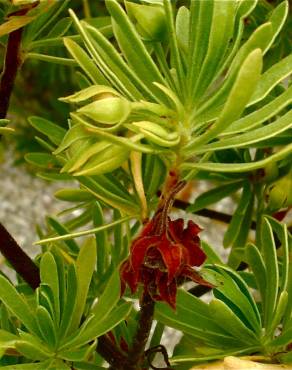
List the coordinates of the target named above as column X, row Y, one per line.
column 12, row 62
column 107, row 349
column 136, row 354
column 19, row 260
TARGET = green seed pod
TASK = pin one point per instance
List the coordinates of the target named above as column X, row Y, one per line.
column 108, row 111
column 151, row 20
column 280, row 194
column 157, row 134
column 95, row 91
column 107, row 160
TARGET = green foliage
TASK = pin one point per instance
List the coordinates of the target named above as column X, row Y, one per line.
column 57, row 325
column 153, row 86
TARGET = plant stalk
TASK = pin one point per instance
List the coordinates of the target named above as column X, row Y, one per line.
column 20, row 261
column 136, row 354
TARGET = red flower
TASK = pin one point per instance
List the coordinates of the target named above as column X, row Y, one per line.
column 162, row 256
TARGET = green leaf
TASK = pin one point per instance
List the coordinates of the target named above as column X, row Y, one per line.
column 279, row 312
column 104, row 189
column 283, row 339
column 46, row 326
column 85, row 62
column 90, row 92
column 182, row 24
column 261, row 115
column 54, row 132
column 32, row 351
column 239, row 167
column 277, row 73
column 241, row 91
column 43, row 160
column 49, row 276
column 69, row 236
column 238, row 217
column 17, row 305
column 228, row 320
column 62, row 230
column 254, row 136
column 220, row 34
column 257, row 264
column 101, row 240
column 73, row 195
column 271, row 263
column 70, row 301
column 85, row 265
column 214, row 195
column 235, row 294
column 43, row 365
column 109, row 298
column 132, row 47
column 93, row 328
column 192, row 317
column 200, row 26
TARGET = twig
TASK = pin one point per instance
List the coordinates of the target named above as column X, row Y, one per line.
column 20, row 261
column 136, row 354
column 13, row 61
column 109, row 351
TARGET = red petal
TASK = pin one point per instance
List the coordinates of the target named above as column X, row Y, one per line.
column 127, row 276
column 176, row 229
column 195, row 276
column 139, row 249
column 167, row 291
column 196, row 256
column 172, row 257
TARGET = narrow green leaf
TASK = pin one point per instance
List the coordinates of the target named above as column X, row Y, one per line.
column 93, row 328
column 82, row 233
column 109, row 298
column 257, row 264
column 214, row 195
column 49, row 276
column 84, row 61
column 263, row 133
column 279, row 312
column 31, row 352
column 237, row 218
column 240, row 167
column 241, row 91
column 43, row 160
column 277, row 73
column 228, row 320
column 85, row 264
column 54, row 132
column 100, row 191
column 261, row 115
column 132, row 46
column 17, row 305
column 220, row 34
column 271, row 262
column 70, row 301
column 73, row 195
column 61, row 230
column 46, row 326
column 101, row 240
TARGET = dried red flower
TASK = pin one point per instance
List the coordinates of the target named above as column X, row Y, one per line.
column 162, row 256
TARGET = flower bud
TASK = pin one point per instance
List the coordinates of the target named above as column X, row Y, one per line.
column 279, row 193
column 157, row 134
column 151, row 21
column 109, row 111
